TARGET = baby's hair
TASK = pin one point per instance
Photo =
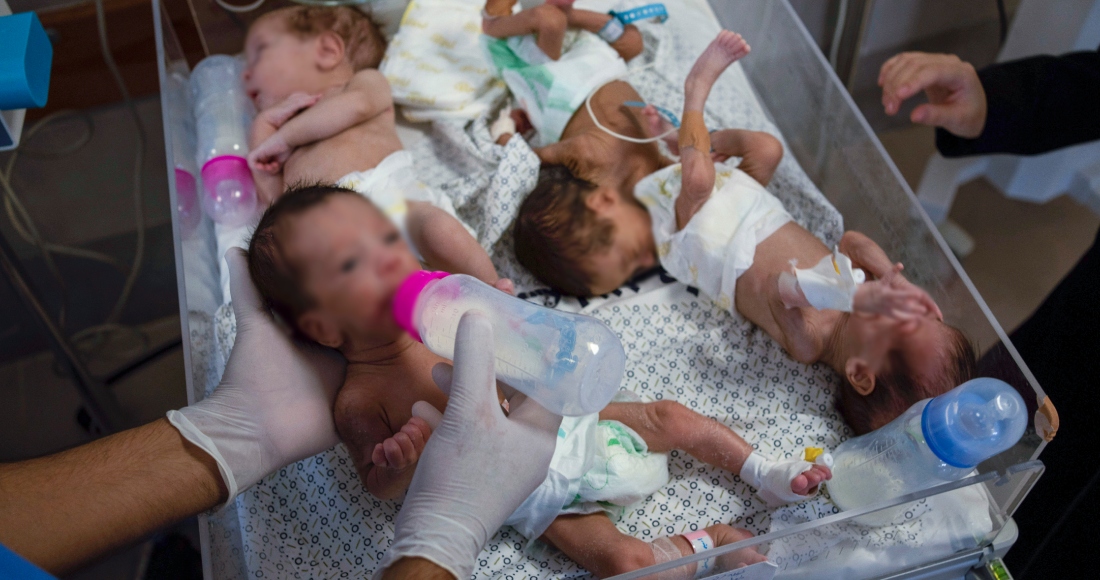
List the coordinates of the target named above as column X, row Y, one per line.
column 363, row 42
column 555, row 230
column 276, row 279
column 899, row 388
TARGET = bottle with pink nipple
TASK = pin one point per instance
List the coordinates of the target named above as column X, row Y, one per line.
column 223, row 115
column 569, row 363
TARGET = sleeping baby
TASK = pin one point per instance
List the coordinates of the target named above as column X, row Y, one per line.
column 329, row 262
column 589, row 226
column 326, row 115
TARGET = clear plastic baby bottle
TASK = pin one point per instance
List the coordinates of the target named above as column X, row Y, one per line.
column 936, row 441
column 179, row 116
column 571, row 364
column 223, row 115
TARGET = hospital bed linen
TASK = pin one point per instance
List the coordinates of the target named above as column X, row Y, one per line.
column 314, row 519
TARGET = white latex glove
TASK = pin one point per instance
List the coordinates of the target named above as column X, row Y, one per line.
column 478, row 465
column 274, row 404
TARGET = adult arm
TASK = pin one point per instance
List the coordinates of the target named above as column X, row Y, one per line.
column 1035, row 105
column 63, row 510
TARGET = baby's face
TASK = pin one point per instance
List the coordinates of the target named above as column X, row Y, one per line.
column 632, row 250
column 924, row 343
column 351, row 260
column 279, row 63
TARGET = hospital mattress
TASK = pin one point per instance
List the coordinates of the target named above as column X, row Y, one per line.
column 314, row 519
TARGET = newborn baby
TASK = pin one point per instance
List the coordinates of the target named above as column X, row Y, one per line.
column 326, row 116
column 329, row 263
column 716, row 227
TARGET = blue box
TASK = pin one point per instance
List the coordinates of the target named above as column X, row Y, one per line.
column 26, row 56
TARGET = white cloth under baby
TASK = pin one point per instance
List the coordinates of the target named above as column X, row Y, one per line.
column 597, row 466
column 551, row 91
column 719, row 242
column 832, row 283
column 435, row 66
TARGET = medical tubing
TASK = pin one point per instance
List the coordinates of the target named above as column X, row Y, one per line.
column 25, row 227
column 592, row 115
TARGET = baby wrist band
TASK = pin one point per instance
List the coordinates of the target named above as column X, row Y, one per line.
column 664, row 550
column 613, row 30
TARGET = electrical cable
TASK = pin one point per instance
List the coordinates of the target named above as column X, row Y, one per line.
column 1002, row 15
column 88, row 338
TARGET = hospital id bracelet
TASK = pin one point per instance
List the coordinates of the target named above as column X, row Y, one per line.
column 701, row 541
column 648, row 11
column 612, row 31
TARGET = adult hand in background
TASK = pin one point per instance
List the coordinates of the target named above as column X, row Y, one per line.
column 477, row 467
column 274, row 404
column 956, row 99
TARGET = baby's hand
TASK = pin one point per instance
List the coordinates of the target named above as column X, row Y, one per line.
column 893, row 297
column 505, row 285
column 292, row 105
column 270, row 155
column 404, row 448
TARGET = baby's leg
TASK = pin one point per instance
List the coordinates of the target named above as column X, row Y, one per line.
column 667, row 425
column 597, row 545
column 760, row 152
column 545, row 21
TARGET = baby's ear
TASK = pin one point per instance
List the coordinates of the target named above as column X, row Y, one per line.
column 320, row 329
column 330, row 50
column 860, row 375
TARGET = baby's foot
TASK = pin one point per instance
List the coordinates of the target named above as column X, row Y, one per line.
column 658, row 125
column 807, row 482
column 724, row 535
column 723, row 51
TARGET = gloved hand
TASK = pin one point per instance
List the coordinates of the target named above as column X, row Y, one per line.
column 478, row 465
column 274, row 404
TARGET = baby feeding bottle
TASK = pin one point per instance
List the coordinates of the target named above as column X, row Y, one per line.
column 223, row 115
column 936, row 441
column 571, row 364
column 179, row 116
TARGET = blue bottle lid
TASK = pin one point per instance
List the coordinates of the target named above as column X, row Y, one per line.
column 974, row 421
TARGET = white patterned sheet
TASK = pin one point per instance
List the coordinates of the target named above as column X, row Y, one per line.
column 313, row 519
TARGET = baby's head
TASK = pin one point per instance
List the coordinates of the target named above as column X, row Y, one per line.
column 307, row 49
column 892, row 364
column 582, row 239
column 329, row 262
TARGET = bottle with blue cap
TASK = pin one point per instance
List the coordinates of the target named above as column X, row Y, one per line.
column 936, row 441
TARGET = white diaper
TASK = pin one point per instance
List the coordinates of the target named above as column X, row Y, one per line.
column 597, row 466
column 551, row 91
column 719, row 242
column 393, row 182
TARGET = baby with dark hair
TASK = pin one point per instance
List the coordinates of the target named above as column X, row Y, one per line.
column 594, row 221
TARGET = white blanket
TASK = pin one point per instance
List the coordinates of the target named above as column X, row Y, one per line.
column 313, row 519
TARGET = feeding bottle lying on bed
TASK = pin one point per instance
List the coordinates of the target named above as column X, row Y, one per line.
column 571, row 364
column 223, row 115
column 936, row 441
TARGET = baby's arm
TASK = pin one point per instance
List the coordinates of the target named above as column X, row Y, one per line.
column 629, row 45
column 697, row 165
column 384, row 460
column 270, row 185
column 890, row 294
column 445, row 244
column 366, row 96
column 760, row 152
column 546, row 21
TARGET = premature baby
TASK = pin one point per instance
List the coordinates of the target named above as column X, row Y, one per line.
column 715, row 226
column 329, row 262
column 326, row 116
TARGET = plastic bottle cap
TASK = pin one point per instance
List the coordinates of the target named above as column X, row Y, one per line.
column 26, row 56
column 974, row 421
column 404, row 301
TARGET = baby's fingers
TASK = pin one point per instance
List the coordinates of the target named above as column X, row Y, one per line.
column 378, row 456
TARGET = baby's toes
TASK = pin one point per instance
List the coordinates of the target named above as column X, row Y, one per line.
column 801, row 484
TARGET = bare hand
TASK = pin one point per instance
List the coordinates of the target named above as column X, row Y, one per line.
column 270, row 155
column 893, row 300
column 405, row 447
column 290, row 106
column 956, row 99
column 505, row 285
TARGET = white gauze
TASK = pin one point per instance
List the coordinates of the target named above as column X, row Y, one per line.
column 831, row 284
column 772, row 479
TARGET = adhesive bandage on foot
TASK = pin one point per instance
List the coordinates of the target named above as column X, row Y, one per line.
column 772, row 479
column 830, row 285
column 693, row 132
